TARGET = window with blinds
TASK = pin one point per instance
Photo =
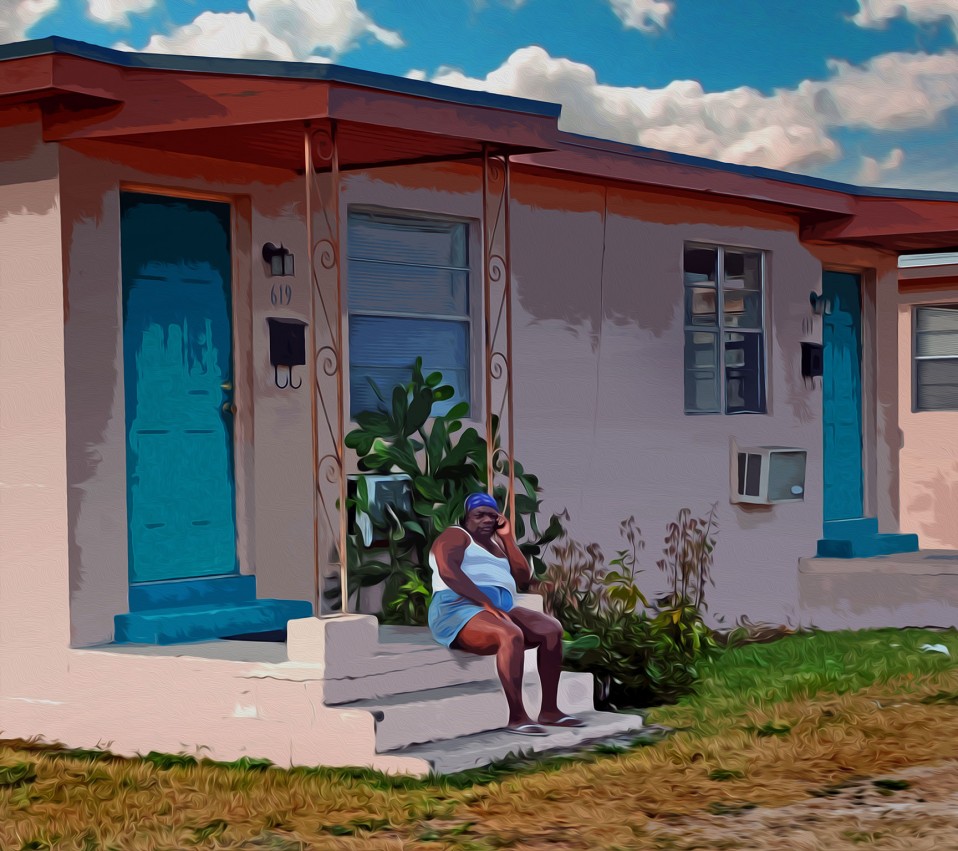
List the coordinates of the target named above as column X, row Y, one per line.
column 936, row 358
column 408, row 296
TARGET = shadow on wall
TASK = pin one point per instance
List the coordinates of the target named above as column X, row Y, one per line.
column 563, row 277
column 938, row 501
column 90, row 339
column 26, row 163
column 585, row 267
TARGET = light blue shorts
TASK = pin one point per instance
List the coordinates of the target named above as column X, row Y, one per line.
column 449, row 612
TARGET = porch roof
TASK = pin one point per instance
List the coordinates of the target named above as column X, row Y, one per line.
column 254, row 111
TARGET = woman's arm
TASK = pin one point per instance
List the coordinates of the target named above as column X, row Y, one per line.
column 518, row 564
column 449, row 549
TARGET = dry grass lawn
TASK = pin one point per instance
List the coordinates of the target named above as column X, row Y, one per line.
column 780, row 748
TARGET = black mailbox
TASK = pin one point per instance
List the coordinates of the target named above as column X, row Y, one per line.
column 287, row 347
column 812, row 360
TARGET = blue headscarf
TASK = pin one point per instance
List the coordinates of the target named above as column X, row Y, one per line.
column 476, row 500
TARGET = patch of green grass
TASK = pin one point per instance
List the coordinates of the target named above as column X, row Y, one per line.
column 243, row 764
column 169, row 760
column 17, row 773
column 723, row 774
column 771, row 728
column 946, row 697
column 210, row 830
column 806, row 664
column 610, row 749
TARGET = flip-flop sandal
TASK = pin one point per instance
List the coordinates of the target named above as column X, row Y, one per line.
column 565, row 721
column 528, row 730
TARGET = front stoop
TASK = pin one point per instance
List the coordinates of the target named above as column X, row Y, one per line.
column 441, row 710
column 341, row 692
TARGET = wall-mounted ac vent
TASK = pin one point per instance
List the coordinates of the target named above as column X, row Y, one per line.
column 389, row 491
column 765, row 475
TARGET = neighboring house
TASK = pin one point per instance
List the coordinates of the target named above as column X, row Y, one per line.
column 201, row 262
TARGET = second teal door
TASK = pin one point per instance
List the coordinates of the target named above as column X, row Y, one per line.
column 842, row 396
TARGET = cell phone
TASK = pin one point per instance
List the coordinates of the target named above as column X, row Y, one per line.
column 500, row 522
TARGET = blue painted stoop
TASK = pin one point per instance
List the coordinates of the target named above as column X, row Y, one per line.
column 200, row 609
column 860, row 538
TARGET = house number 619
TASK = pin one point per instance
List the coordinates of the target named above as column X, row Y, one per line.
column 281, row 294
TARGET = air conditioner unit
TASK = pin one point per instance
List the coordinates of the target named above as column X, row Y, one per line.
column 393, row 490
column 766, row 475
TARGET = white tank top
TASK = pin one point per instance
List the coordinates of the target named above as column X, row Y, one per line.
column 480, row 565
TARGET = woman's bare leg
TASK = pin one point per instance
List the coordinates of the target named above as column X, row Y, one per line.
column 545, row 633
column 487, row 635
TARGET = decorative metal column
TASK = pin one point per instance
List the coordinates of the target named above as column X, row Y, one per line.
column 326, row 311
column 497, row 300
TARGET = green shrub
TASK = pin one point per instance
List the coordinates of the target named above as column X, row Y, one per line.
column 639, row 655
column 407, row 436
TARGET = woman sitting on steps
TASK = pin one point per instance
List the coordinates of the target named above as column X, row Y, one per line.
column 475, row 568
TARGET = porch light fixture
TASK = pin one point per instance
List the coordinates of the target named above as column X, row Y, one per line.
column 819, row 303
column 280, row 260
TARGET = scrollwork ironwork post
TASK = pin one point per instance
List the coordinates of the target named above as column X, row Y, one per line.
column 326, row 311
column 497, row 303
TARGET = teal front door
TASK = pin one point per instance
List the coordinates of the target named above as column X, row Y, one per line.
column 178, row 373
column 842, row 396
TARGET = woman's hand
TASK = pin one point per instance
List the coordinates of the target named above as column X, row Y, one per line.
column 503, row 527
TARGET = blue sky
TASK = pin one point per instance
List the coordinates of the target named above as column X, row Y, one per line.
column 857, row 90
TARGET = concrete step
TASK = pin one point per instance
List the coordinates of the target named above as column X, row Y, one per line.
column 462, row 710
column 452, row 755
column 406, row 659
column 193, row 592
column 856, row 527
column 875, row 545
column 196, row 623
column 447, row 670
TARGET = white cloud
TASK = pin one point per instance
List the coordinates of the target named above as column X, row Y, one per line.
column 740, row 125
column 876, row 13
column 893, row 91
column 788, row 129
column 117, row 12
column 873, row 170
column 17, row 17
column 276, row 29
column 643, row 15
column 334, row 25
column 232, row 34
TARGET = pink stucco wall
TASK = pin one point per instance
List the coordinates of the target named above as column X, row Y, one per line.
column 929, row 451
column 34, row 589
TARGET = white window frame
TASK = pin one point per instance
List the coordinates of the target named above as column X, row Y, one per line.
column 915, row 357
column 474, row 272
column 720, row 249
